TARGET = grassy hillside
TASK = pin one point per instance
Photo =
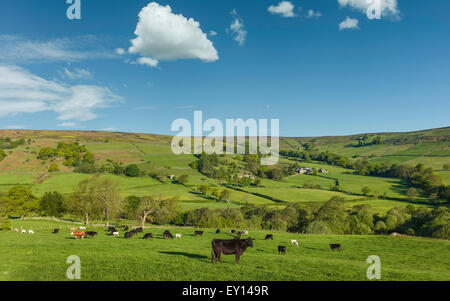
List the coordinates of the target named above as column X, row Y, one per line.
column 43, row 257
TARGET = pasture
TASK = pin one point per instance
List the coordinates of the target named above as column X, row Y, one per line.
column 42, row 256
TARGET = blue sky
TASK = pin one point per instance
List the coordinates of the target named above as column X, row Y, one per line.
column 391, row 74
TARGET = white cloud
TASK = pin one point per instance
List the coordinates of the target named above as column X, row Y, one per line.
column 77, row 73
column 349, row 23
column 212, row 33
column 163, row 35
column 237, row 28
column 109, row 129
column 67, row 124
column 120, row 51
column 147, row 61
column 312, row 14
column 24, row 92
column 18, row 49
column 388, row 8
column 15, row 127
column 284, row 8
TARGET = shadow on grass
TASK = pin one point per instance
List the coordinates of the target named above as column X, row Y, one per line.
column 192, row 256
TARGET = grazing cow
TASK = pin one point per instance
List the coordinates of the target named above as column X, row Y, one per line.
column 198, row 233
column 78, row 235
column 55, row 231
column 24, row 231
column 91, row 234
column 229, row 247
column 269, row 237
column 128, row 235
column 82, row 228
column 218, row 231
column 140, row 230
column 115, row 234
column 16, row 230
column 178, row 235
column 125, row 228
column 294, row 242
column 282, row 250
column 167, row 234
column 73, row 229
column 233, row 231
column 111, row 229
column 336, row 247
column 30, row 232
column 245, row 232
column 148, row 236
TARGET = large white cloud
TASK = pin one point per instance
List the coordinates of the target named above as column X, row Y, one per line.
column 163, row 35
column 387, row 7
column 24, row 92
column 284, row 8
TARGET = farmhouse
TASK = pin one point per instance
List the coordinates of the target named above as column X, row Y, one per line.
column 304, row 170
column 323, row 170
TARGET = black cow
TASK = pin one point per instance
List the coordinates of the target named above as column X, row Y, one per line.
column 128, row 235
column 140, row 230
column 112, row 229
column 218, row 231
column 55, row 231
column 233, row 231
column 282, row 250
column 148, row 236
column 90, row 234
column 125, row 228
column 336, row 247
column 269, row 237
column 167, row 234
column 229, row 247
column 198, row 233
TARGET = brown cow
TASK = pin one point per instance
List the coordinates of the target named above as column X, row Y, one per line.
column 79, row 235
column 230, row 247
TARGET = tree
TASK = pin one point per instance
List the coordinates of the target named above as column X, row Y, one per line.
column 366, row 190
column 412, row 194
column 225, row 196
column 131, row 206
column 446, row 165
column 53, row 167
column 132, row 171
column 2, row 154
column 52, row 204
column 156, row 210
column 19, row 201
column 183, row 179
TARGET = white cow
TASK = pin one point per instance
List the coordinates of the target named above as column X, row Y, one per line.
column 245, row 232
column 30, row 232
column 116, row 234
column 178, row 235
column 24, row 231
column 82, row 228
column 294, row 242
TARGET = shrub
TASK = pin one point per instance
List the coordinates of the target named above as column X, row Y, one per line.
column 53, row 167
column 132, row 171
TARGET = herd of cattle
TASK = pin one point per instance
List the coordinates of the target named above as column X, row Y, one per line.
column 235, row 246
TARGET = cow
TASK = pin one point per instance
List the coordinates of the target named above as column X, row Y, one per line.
column 233, row 231
column 148, row 236
column 115, row 234
column 336, row 247
column 16, row 230
column 245, row 232
column 55, row 231
column 78, row 235
column 90, row 234
column 282, row 250
column 218, row 231
column 82, row 228
column 269, row 237
column 229, row 247
column 198, row 233
column 73, row 229
column 294, row 242
column 30, row 232
column 23, row 231
column 140, row 230
column 111, row 229
column 178, row 235
column 167, row 234
column 125, row 228
column 128, row 235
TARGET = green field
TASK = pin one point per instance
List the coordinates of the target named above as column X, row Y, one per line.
column 43, row 257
